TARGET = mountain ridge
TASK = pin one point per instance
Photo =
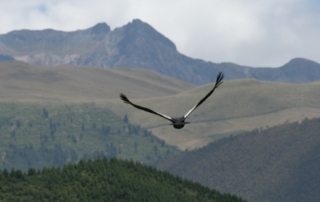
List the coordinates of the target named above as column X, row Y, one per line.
column 136, row 45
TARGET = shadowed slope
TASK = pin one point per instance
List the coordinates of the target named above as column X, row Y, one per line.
column 278, row 164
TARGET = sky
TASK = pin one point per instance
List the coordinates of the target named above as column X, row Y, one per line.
column 259, row 33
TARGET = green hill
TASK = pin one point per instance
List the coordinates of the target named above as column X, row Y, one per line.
column 35, row 135
column 279, row 164
column 103, row 180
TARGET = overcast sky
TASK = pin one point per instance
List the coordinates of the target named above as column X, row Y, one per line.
column 247, row 32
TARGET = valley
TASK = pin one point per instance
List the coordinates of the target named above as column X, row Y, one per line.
column 61, row 118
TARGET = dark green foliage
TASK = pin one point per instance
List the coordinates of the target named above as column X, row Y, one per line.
column 103, row 180
column 52, row 135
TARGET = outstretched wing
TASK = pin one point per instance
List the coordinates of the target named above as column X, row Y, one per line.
column 125, row 99
column 217, row 84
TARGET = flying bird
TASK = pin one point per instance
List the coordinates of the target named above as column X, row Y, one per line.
column 179, row 122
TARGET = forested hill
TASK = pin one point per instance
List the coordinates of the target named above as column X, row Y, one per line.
column 37, row 136
column 103, row 180
column 278, row 164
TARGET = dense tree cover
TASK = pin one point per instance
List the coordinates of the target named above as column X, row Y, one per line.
column 103, row 180
column 279, row 164
column 35, row 136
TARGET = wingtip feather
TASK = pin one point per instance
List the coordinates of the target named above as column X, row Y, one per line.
column 219, row 78
column 124, row 98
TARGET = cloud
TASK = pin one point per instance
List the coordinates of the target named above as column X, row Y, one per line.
column 249, row 32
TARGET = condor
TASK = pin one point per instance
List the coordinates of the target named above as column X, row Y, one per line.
column 179, row 122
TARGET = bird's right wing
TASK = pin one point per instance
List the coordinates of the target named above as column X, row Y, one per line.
column 125, row 99
column 216, row 85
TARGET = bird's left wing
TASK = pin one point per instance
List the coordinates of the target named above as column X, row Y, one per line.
column 125, row 99
column 217, row 84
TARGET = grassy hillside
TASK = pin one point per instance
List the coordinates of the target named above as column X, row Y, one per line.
column 103, row 180
column 52, row 135
column 279, row 164
column 21, row 82
column 237, row 106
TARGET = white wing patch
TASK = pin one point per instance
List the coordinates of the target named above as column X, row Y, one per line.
column 164, row 116
column 189, row 112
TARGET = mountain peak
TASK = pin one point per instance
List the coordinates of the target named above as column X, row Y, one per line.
column 139, row 24
column 138, row 21
column 300, row 62
column 100, row 28
column 139, row 29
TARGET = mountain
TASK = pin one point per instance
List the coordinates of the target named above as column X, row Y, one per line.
column 297, row 70
column 4, row 58
column 103, row 180
column 136, row 45
column 279, row 164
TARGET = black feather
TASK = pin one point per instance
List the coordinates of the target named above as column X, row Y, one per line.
column 219, row 79
column 216, row 85
column 124, row 98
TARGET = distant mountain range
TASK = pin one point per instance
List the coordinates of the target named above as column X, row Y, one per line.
column 137, row 45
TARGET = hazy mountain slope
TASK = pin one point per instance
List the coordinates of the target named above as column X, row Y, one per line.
column 103, row 180
column 297, row 70
column 236, row 106
column 136, row 45
column 276, row 164
column 23, row 82
column 52, row 47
